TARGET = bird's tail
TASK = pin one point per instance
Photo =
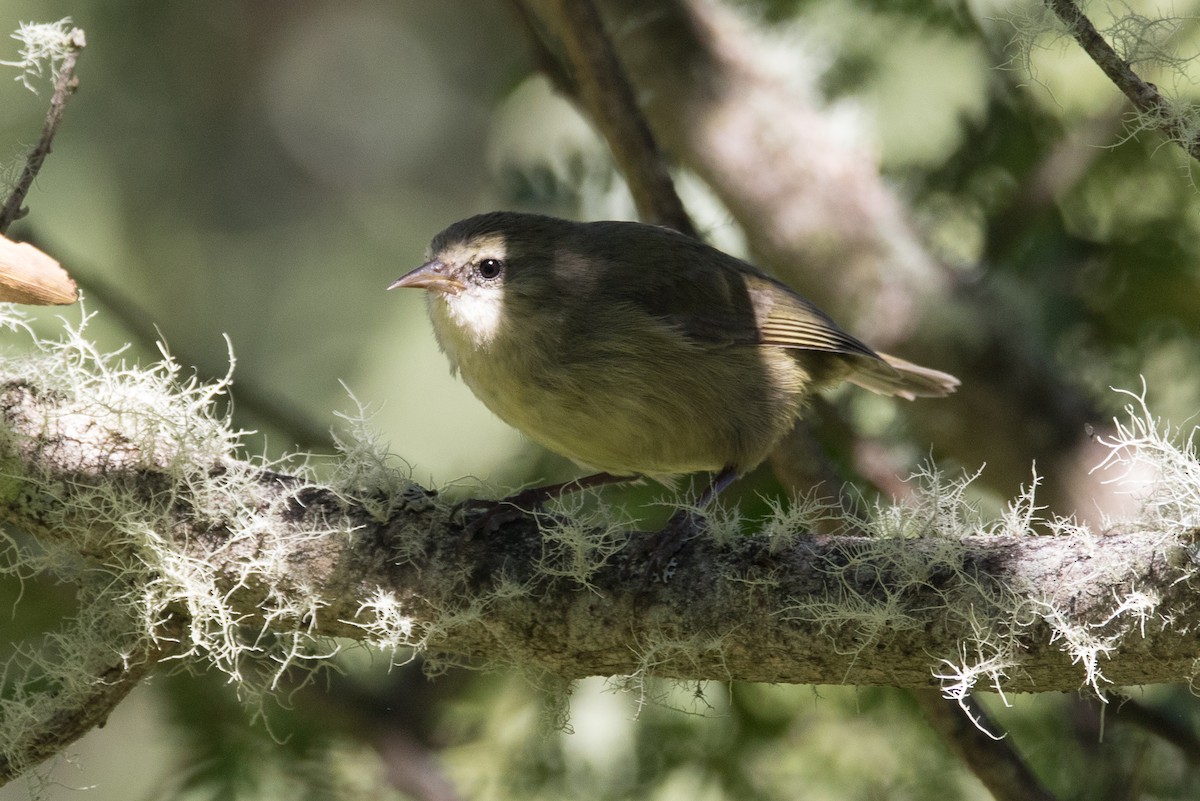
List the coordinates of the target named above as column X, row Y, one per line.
column 889, row 375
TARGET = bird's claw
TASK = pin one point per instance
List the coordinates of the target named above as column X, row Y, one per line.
column 659, row 549
column 479, row 515
column 483, row 516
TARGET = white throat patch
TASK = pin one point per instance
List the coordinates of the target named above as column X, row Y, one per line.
column 477, row 311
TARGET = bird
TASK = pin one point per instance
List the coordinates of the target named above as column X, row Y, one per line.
column 636, row 350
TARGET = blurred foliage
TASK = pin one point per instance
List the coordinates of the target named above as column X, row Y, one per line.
column 264, row 169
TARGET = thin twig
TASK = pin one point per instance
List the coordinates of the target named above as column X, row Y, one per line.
column 606, row 93
column 64, row 87
column 1144, row 95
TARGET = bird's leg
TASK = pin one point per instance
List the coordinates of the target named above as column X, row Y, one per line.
column 661, row 546
column 496, row 513
column 536, row 496
column 720, row 481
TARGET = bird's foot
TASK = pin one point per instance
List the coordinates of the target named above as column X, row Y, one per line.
column 483, row 516
column 491, row 515
column 659, row 549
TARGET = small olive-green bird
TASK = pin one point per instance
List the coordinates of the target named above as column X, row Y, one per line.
column 635, row 349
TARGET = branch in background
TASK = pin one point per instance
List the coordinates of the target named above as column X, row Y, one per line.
column 1060, row 169
column 993, row 761
column 606, row 93
column 1144, row 95
column 64, row 86
column 811, row 201
column 1171, row 726
column 84, row 706
column 544, row 59
column 413, row 768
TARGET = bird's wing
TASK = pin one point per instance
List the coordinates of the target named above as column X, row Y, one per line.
column 790, row 321
column 707, row 296
column 745, row 307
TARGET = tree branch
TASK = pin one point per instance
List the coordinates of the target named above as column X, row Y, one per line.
column 77, row 709
column 606, row 93
column 1169, row 725
column 575, row 600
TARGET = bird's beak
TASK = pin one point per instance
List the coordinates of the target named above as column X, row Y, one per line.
column 430, row 275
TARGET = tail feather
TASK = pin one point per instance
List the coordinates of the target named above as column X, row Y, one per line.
column 890, row 375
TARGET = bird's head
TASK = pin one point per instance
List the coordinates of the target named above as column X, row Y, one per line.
column 465, row 274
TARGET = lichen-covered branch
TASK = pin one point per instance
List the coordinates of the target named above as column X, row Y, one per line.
column 45, row 717
column 1144, row 95
column 541, row 594
column 251, row 569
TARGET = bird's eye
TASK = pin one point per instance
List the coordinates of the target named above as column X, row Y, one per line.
column 490, row 268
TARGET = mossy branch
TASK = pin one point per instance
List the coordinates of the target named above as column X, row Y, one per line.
column 213, row 559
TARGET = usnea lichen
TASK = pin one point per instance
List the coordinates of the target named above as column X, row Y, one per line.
column 144, row 444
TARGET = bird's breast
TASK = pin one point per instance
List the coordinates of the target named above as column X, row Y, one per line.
column 645, row 401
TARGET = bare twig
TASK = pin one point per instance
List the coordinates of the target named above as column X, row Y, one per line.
column 64, row 87
column 1144, row 95
column 605, row 91
column 993, row 761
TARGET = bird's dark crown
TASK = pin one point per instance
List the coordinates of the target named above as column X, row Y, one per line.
column 517, row 228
